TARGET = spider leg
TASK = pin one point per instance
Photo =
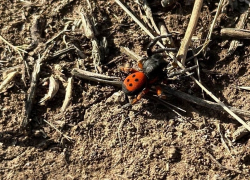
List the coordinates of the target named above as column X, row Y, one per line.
column 139, row 96
column 163, row 49
column 128, row 69
column 146, row 90
column 159, row 92
column 153, row 42
column 140, row 65
column 182, row 71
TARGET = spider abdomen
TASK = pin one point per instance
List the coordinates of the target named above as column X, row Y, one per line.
column 134, row 83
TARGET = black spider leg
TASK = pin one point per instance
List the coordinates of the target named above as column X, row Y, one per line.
column 154, row 41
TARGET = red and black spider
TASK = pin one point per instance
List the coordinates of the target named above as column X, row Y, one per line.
column 139, row 82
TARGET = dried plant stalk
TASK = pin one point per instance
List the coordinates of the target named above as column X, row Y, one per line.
column 96, row 55
column 219, row 8
column 149, row 15
column 53, row 88
column 240, row 132
column 244, row 87
column 235, row 43
column 68, row 94
column 33, row 85
column 7, row 80
column 96, row 77
column 182, row 53
column 130, row 53
column 16, row 48
column 235, row 33
column 166, row 41
column 54, row 127
column 87, row 28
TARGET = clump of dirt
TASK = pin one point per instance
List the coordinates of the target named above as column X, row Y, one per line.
column 99, row 139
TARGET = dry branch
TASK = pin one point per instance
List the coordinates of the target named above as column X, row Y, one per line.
column 54, row 127
column 53, row 88
column 68, row 94
column 96, row 77
column 87, row 27
column 235, row 43
column 235, row 33
column 168, row 40
column 240, row 132
column 7, row 80
column 182, row 53
column 130, row 53
column 32, row 89
column 150, row 15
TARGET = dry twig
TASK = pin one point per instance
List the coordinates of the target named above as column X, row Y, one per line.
column 18, row 49
column 240, row 132
column 61, row 52
column 219, row 8
column 168, row 40
column 53, row 88
column 150, row 15
column 96, row 77
column 235, row 43
column 235, row 33
column 7, row 80
column 130, row 53
column 68, row 94
column 242, row 87
column 182, row 53
column 33, row 85
column 67, row 137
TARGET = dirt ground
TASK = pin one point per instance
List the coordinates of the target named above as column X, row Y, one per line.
column 145, row 141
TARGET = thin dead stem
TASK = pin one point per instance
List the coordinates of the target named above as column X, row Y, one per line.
column 15, row 48
column 182, row 53
column 67, row 137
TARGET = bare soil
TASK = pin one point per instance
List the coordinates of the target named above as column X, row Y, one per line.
column 148, row 141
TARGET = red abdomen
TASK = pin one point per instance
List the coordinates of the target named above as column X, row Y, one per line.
column 134, row 83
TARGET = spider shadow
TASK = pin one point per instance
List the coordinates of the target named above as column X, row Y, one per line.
column 183, row 112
